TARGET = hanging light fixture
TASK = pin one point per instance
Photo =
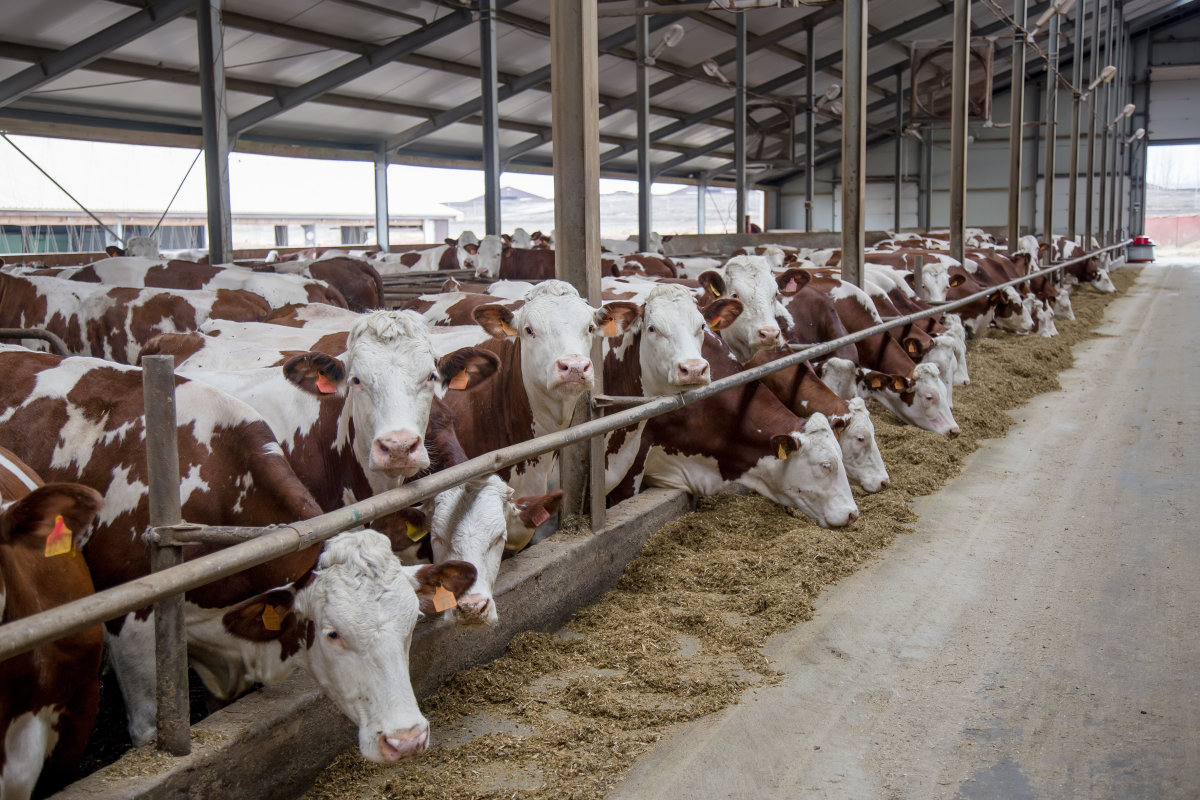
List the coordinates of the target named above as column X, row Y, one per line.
column 713, row 70
column 672, row 37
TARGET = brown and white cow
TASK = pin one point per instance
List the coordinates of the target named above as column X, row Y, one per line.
column 114, row 322
column 749, row 279
column 359, row 282
column 48, row 696
column 346, row 609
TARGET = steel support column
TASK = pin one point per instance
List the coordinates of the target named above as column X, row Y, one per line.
column 490, row 98
column 810, row 66
column 1118, row 103
column 575, row 80
column 1105, row 123
column 1051, row 131
column 382, row 222
column 960, row 84
column 1076, row 80
column 899, row 166
column 925, row 204
column 214, row 115
column 739, row 124
column 1089, row 188
column 701, row 204
column 645, row 175
column 1016, row 115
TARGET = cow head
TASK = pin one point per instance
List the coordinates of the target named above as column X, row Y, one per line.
column 805, row 471
column 840, row 375
column 389, row 377
column 672, row 337
column 1043, row 318
column 353, row 617
column 943, row 353
column 1062, row 304
column 937, row 281
column 860, row 452
column 1013, row 312
column 749, row 279
column 920, row 400
column 488, row 254
column 469, row 524
column 554, row 329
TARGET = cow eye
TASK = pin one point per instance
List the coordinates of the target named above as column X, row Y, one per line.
column 827, row 466
column 355, row 380
column 333, row 636
column 591, row 328
column 861, row 439
column 528, row 331
column 734, row 295
column 651, row 329
column 432, row 377
column 929, row 397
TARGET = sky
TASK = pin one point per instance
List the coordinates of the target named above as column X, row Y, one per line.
column 1174, row 166
column 119, row 177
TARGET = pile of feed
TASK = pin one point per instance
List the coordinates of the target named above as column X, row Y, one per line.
column 564, row 715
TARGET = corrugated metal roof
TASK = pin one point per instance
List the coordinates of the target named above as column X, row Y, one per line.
column 147, row 88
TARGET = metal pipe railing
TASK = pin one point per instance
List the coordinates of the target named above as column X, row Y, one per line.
column 273, row 541
column 60, row 347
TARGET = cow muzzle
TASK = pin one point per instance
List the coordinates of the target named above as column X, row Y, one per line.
column 399, row 453
column 693, row 372
column 767, row 337
column 573, row 370
column 472, row 609
column 403, row 744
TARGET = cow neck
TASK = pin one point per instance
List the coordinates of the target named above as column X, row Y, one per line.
column 549, row 411
column 334, row 477
column 498, row 413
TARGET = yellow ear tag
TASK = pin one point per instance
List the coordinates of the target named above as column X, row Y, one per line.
column 59, row 542
column 271, row 619
column 325, row 386
column 443, row 598
column 509, row 330
column 715, row 323
column 713, row 289
column 413, row 532
column 610, row 328
column 781, row 453
column 460, row 381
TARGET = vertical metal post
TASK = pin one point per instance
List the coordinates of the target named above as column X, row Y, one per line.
column 701, row 204
column 644, row 168
column 574, row 80
column 170, row 634
column 1144, row 156
column 1051, row 131
column 810, row 66
column 215, row 120
column 1088, row 229
column 1037, row 151
column 925, row 206
column 1118, row 102
column 1105, row 123
column 1016, row 132
column 960, row 85
column 382, row 221
column 489, row 87
column 1076, row 79
column 739, row 123
column 899, row 170
column 854, row 138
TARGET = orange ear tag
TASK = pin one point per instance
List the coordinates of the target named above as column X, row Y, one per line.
column 610, row 328
column 59, row 542
column 413, row 532
column 781, row 453
column 509, row 330
column 271, row 619
column 460, row 381
column 540, row 516
column 325, row 386
column 443, row 598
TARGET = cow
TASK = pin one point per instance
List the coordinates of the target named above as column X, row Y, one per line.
column 359, row 282
column 535, row 264
column 442, row 257
column 317, row 315
column 141, row 273
column 750, row 279
column 49, row 696
column 114, row 322
column 346, row 609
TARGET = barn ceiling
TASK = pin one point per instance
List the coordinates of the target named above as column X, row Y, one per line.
column 335, row 78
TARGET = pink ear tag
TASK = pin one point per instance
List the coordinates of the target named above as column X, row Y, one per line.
column 791, row 286
column 325, row 386
column 540, row 516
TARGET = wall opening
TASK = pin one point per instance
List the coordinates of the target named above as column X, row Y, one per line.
column 1173, row 197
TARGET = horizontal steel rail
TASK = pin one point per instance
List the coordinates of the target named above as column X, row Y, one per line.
column 258, row 545
column 60, row 347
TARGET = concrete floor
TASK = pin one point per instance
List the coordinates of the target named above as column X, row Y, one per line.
column 1038, row 637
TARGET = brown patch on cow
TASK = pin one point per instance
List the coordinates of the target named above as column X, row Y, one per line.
column 237, row 305
column 354, row 284
column 181, row 345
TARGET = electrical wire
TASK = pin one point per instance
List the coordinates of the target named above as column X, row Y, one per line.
column 1003, row 15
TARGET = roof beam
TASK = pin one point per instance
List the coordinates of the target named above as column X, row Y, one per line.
column 456, row 114
column 367, row 62
column 82, row 53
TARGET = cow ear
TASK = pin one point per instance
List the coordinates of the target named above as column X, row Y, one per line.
column 911, row 280
column 536, row 509
column 720, row 314
column 617, row 317
column 957, row 280
column 451, row 242
column 53, row 518
column 495, row 319
column 900, row 384
column 432, row 581
column 113, row 251
column 404, row 528
column 262, row 618
column 912, row 346
column 792, row 280
column 783, row 445
column 315, row 373
column 875, row 381
column 838, row 424
column 467, row 367
column 506, row 239
column 712, row 281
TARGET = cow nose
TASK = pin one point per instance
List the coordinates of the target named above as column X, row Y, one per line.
column 853, row 515
column 472, row 609
column 883, row 484
column 953, row 432
column 768, row 335
column 573, row 367
column 693, row 371
column 401, row 744
column 397, row 448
